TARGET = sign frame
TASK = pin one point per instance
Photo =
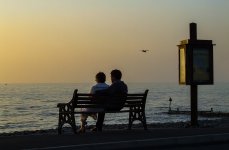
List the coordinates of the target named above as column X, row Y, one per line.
column 193, row 55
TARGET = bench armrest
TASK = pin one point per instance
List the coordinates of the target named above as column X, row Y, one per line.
column 61, row 104
column 66, row 107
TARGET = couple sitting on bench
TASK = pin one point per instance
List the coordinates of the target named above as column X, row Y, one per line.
column 117, row 87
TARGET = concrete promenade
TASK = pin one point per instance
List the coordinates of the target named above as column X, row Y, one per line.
column 118, row 139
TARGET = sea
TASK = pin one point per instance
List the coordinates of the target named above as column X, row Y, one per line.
column 28, row 107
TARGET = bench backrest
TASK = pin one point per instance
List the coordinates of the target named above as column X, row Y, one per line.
column 139, row 99
column 86, row 100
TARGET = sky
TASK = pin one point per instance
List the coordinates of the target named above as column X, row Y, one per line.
column 69, row 41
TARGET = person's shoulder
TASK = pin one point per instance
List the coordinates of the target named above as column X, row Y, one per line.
column 93, row 88
column 105, row 85
column 119, row 83
column 124, row 83
column 101, row 85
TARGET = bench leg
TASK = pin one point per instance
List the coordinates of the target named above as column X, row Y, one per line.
column 66, row 118
column 59, row 129
column 130, row 120
column 144, row 121
column 73, row 124
column 136, row 113
column 60, row 123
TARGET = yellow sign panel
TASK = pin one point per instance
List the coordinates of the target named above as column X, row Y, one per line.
column 182, row 66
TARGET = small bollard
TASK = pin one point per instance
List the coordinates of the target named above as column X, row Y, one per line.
column 211, row 109
column 170, row 101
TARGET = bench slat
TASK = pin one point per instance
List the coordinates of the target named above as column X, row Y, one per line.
column 121, row 111
column 134, row 98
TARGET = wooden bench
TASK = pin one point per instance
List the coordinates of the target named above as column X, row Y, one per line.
column 134, row 105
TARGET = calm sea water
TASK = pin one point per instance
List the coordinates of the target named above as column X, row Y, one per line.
column 33, row 106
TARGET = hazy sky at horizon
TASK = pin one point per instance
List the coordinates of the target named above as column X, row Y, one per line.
column 71, row 40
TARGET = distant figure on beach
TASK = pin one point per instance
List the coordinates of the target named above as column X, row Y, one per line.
column 100, row 78
column 117, row 87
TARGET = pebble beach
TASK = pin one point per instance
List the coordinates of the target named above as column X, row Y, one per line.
column 216, row 123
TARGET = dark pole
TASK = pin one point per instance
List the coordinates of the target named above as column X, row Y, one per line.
column 193, row 31
column 194, row 106
column 194, row 88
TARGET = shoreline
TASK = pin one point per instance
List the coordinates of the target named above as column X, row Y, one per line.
column 217, row 123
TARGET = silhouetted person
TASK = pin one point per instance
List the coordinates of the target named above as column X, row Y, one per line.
column 112, row 102
column 100, row 78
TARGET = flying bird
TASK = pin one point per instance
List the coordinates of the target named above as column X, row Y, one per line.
column 144, row 50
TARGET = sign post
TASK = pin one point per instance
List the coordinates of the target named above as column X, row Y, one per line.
column 195, row 67
column 194, row 87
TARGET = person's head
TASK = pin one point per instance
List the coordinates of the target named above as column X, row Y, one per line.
column 116, row 75
column 100, row 77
